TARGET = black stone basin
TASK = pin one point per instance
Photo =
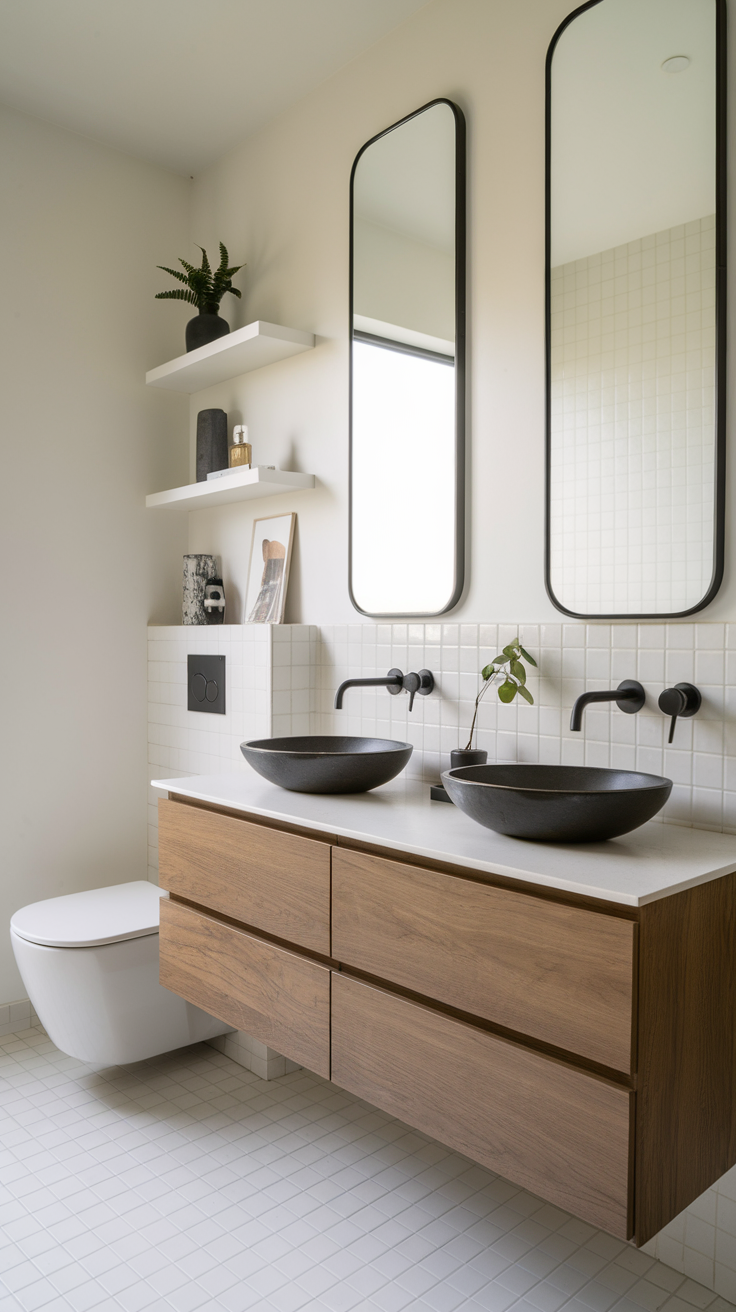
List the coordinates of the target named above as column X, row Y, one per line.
column 326, row 763
column 556, row 803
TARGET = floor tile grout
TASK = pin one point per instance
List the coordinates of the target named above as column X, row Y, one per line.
column 187, row 1184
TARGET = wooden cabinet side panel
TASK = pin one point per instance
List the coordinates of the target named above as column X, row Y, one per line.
column 557, row 973
column 686, row 1116
column 278, row 997
column 546, row 1126
column 274, row 881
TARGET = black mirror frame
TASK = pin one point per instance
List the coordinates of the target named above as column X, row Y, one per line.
column 719, row 491
column 460, row 311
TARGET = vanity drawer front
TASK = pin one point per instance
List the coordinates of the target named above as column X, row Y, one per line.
column 560, row 974
column 280, row 998
column 544, row 1125
column 274, row 881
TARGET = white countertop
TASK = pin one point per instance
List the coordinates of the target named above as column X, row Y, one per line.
column 647, row 864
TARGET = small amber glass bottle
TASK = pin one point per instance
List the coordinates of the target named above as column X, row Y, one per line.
column 241, row 451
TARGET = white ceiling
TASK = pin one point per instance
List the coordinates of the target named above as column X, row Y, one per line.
column 406, row 180
column 178, row 82
column 633, row 146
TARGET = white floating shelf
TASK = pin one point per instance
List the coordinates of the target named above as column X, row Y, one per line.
column 245, row 485
column 247, row 348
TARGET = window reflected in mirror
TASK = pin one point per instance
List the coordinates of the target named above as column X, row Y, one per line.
column 635, row 263
column 407, row 367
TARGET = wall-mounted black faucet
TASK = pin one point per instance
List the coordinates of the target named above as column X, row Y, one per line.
column 629, row 697
column 395, row 681
column 680, row 702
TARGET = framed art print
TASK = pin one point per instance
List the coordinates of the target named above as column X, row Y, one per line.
column 268, row 572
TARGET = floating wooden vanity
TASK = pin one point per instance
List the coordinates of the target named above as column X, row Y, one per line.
column 579, row 1046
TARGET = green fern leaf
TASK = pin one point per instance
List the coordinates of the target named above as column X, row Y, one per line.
column 205, row 265
column 205, row 289
column 174, row 272
column 177, row 294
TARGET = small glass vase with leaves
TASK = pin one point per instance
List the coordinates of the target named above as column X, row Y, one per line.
column 510, row 666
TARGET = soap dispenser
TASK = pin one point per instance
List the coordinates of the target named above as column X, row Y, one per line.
column 241, row 450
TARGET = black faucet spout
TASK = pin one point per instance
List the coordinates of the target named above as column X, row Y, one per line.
column 391, row 681
column 395, row 681
column 629, row 697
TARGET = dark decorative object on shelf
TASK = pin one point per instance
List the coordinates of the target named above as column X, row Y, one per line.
column 203, row 329
column 214, row 602
column 211, row 443
column 205, row 289
column 198, row 568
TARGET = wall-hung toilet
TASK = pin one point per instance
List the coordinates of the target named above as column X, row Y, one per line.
column 90, row 964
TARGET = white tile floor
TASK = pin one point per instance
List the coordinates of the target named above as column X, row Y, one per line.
column 187, row 1184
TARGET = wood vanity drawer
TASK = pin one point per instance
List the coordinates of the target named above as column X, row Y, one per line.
column 555, row 1130
column 269, row 879
column 560, row 974
column 278, row 997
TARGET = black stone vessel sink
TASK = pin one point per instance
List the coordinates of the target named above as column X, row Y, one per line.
column 326, row 763
column 556, row 803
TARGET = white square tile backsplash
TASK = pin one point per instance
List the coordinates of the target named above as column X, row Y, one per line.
column 282, row 679
column 633, row 392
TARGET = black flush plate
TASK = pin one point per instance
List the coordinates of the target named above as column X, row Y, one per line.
column 206, row 684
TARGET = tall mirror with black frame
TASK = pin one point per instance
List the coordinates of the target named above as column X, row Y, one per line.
column 407, row 305
column 636, row 308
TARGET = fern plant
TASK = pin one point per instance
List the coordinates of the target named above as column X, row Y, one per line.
column 204, row 288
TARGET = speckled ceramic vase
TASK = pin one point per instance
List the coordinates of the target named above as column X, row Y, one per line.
column 197, row 570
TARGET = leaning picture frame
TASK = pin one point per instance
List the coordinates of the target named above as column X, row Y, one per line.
column 268, row 569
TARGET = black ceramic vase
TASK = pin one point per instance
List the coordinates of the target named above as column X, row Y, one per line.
column 205, row 328
column 211, row 442
column 467, row 756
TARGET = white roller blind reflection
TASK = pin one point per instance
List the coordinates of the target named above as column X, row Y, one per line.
column 403, row 439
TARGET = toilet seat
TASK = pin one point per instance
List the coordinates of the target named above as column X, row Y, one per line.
column 89, row 962
column 93, row 918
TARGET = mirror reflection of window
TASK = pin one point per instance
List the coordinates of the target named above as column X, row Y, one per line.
column 406, row 467
column 404, row 408
column 632, row 296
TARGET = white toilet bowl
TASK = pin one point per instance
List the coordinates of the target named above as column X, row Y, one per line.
column 90, row 964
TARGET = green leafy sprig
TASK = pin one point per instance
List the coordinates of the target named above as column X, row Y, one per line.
column 204, row 288
column 514, row 682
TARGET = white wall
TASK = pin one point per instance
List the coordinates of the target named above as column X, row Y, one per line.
column 281, row 203
column 403, row 281
column 83, row 440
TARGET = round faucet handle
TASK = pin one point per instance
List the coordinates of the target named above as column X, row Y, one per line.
column 683, row 700
column 672, row 701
